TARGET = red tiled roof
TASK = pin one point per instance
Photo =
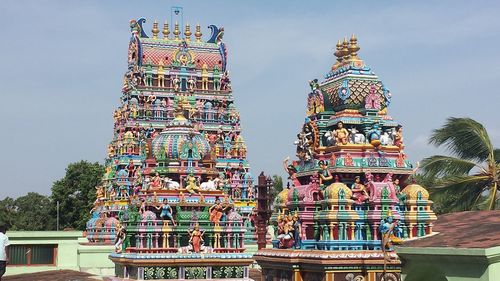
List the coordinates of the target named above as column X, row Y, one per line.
column 472, row 229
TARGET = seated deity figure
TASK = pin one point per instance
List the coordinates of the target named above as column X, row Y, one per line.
column 398, row 137
column 359, row 193
column 191, row 185
column 401, row 196
column 156, row 182
column 285, row 231
column 341, row 134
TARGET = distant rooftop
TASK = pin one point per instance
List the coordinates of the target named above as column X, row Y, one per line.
column 472, row 229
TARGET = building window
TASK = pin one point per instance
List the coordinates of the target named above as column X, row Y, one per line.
column 32, row 255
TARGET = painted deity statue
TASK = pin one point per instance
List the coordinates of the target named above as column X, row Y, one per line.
column 398, row 137
column 341, row 134
column 119, row 239
column 196, row 239
column 388, row 230
column 286, row 231
column 191, row 185
column 204, row 77
column 291, row 170
column 401, row 196
column 324, row 174
column 166, row 211
column 216, row 211
column 359, row 193
column 156, row 182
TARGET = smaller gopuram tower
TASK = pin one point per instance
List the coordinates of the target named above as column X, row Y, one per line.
column 349, row 199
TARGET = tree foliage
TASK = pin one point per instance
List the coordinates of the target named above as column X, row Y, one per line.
column 76, row 194
column 29, row 213
column 277, row 186
column 468, row 178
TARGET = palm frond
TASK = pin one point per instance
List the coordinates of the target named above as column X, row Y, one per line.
column 465, row 138
column 463, row 181
column 496, row 155
column 464, row 193
column 443, row 166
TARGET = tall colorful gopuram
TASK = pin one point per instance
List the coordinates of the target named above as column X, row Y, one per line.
column 174, row 70
column 349, row 200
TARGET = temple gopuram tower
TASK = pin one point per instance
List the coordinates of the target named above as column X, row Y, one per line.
column 173, row 70
column 350, row 197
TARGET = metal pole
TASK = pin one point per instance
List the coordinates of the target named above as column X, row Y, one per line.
column 57, row 215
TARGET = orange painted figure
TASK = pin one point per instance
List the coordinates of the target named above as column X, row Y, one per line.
column 196, row 238
column 216, row 211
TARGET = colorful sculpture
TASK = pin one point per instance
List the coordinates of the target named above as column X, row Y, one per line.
column 348, row 200
column 166, row 79
column 162, row 176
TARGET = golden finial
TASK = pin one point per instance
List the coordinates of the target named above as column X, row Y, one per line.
column 198, row 34
column 165, row 31
column 338, row 53
column 345, row 49
column 155, row 30
column 354, row 48
column 176, row 31
column 187, row 32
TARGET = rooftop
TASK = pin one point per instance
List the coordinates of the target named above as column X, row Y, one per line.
column 472, row 229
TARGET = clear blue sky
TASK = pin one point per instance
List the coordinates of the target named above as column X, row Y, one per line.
column 63, row 63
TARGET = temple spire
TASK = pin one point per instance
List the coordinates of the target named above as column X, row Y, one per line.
column 166, row 31
column 155, row 30
column 187, row 32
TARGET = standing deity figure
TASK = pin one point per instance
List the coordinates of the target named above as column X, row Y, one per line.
column 204, row 77
column 341, row 134
column 372, row 100
column 166, row 211
column 161, row 74
column 196, row 238
column 324, row 174
column 225, row 83
column 359, row 193
column 119, row 239
column 216, row 211
column 297, row 230
column 191, row 84
column 388, row 230
column 176, row 83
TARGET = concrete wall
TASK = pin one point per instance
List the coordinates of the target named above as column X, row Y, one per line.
column 450, row 264
column 73, row 252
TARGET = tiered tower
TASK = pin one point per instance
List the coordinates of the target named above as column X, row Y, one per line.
column 349, row 199
column 169, row 72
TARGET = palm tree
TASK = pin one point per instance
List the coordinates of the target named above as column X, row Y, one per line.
column 472, row 171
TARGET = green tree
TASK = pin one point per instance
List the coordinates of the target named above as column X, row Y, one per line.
column 8, row 212
column 470, row 173
column 76, row 194
column 277, row 186
column 33, row 213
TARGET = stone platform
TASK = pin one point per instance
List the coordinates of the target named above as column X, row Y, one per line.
column 176, row 266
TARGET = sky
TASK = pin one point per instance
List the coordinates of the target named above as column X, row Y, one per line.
column 63, row 64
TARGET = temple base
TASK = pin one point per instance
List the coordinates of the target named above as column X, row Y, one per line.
column 305, row 265
column 214, row 266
